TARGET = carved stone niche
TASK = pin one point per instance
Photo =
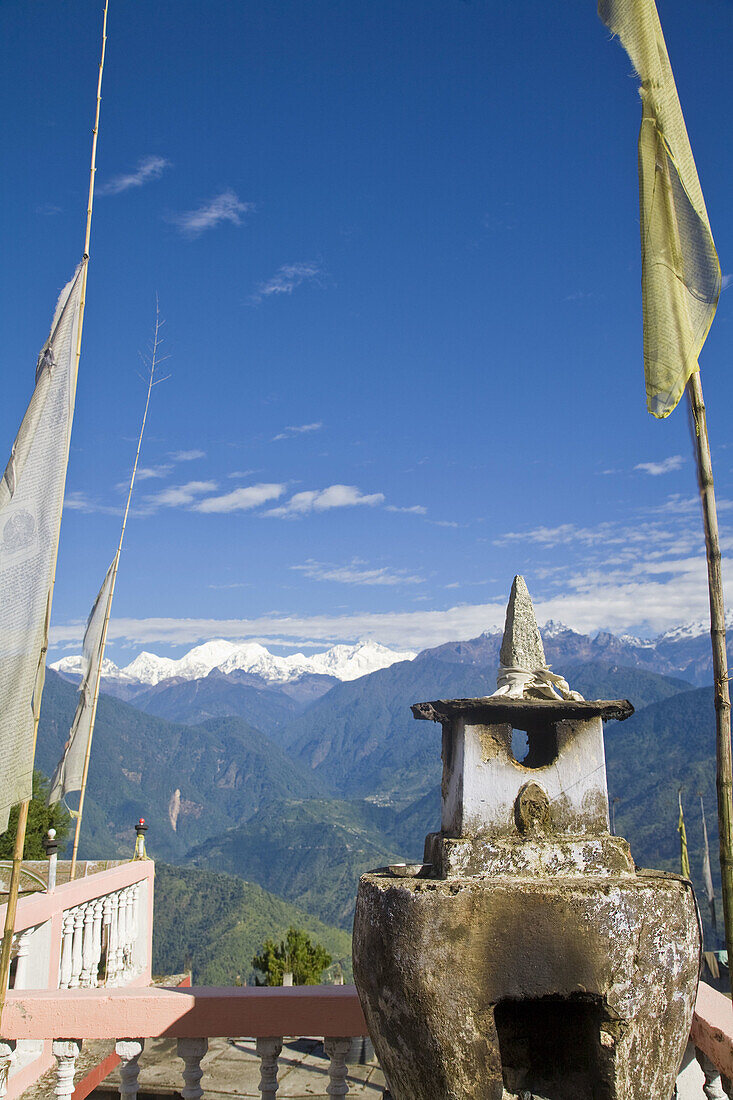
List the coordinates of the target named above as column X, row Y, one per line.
column 528, row 958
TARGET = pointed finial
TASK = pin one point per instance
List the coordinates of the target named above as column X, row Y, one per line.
column 523, row 669
column 521, row 646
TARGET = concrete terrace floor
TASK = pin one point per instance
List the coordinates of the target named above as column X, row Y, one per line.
column 231, row 1068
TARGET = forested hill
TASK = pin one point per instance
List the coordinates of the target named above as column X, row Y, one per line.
column 223, row 771
column 215, row 923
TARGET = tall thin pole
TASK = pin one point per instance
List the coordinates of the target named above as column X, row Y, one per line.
column 12, row 906
column 724, row 769
column 108, row 610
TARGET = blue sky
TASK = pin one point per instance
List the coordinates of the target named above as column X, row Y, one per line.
column 396, row 248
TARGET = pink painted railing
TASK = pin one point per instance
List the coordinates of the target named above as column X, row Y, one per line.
column 94, row 931
column 194, row 1015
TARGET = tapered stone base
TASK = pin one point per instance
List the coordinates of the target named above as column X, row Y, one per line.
column 566, row 989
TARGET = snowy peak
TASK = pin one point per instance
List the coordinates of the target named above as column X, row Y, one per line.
column 553, row 629
column 73, row 667
column 691, row 630
column 343, row 662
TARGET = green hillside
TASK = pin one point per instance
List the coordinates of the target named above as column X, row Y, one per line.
column 224, row 770
column 218, row 696
column 362, row 740
column 310, row 852
column 216, row 923
column 663, row 747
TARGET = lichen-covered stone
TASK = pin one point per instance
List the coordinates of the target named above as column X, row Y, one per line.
column 569, row 988
column 521, row 646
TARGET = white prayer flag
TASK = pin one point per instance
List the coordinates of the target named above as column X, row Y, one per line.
column 31, row 498
column 70, row 769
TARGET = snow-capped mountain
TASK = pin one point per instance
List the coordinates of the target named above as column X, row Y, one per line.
column 342, row 662
column 688, row 631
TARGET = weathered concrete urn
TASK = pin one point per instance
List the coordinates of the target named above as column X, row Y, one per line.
column 528, row 958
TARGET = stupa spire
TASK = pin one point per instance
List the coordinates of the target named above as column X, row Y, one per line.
column 521, row 646
column 523, row 669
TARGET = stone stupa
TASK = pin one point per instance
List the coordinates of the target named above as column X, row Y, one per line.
column 528, row 958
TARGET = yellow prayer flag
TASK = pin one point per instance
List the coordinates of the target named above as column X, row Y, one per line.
column 684, row 854
column 680, row 269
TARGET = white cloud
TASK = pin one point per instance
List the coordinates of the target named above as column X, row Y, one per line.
column 287, row 278
column 145, row 473
column 322, row 500
column 666, row 466
column 647, row 603
column 187, row 456
column 225, row 207
column 355, row 573
column 149, row 168
column 180, row 495
column 297, row 429
column 79, row 501
column 726, row 281
column 415, row 509
column 561, row 535
column 241, row 500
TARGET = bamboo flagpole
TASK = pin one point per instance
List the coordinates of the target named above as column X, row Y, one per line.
column 12, row 904
column 152, row 381
column 724, row 767
column 680, row 289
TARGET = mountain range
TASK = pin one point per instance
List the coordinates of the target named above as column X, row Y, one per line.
column 340, row 662
column 299, row 785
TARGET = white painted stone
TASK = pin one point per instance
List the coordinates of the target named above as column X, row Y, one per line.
column 481, row 778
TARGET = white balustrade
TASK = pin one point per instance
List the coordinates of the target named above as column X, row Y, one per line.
column 7, row 1053
column 110, row 910
column 66, row 1052
column 129, row 1051
column 67, row 935
column 191, row 1051
column 77, row 948
column 98, row 912
column 336, row 1050
column 269, row 1052
column 87, row 952
column 121, row 935
column 22, row 943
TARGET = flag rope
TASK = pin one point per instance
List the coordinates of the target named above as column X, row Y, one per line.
column 12, row 903
column 108, row 611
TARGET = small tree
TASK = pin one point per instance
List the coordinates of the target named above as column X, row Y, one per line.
column 41, row 818
column 297, row 954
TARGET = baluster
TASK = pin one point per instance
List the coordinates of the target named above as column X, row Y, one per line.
column 191, row 1051
column 98, row 913
column 713, row 1087
column 336, row 1050
column 7, row 1054
column 107, row 923
column 113, row 901
column 66, row 1052
column 76, row 949
column 66, row 944
column 87, row 951
column 269, row 1052
column 129, row 1051
column 21, row 955
column 121, row 933
column 134, row 925
column 129, row 934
